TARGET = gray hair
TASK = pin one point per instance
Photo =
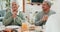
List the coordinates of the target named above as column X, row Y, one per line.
column 48, row 2
column 13, row 1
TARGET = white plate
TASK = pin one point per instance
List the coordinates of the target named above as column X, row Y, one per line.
column 13, row 26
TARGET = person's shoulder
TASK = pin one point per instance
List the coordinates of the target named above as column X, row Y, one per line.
column 21, row 12
column 40, row 12
column 53, row 12
column 9, row 11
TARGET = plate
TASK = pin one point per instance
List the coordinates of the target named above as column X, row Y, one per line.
column 13, row 27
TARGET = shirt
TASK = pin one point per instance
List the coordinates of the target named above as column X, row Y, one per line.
column 40, row 15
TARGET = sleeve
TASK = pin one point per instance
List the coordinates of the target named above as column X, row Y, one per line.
column 7, row 19
column 21, row 16
column 19, row 21
column 38, row 22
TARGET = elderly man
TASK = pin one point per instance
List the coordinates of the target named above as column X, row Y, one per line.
column 12, row 18
column 42, row 16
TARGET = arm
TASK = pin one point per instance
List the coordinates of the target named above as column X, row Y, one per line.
column 19, row 21
column 38, row 21
column 21, row 16
column 41, row 19
column 7, row 19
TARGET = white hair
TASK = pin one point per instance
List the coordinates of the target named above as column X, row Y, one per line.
column 13, row 1
column 49, row 3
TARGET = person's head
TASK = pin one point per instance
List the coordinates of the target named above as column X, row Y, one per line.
column 14, row 7
column 46, row 6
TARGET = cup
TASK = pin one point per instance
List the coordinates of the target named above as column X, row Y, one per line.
column 24, row 27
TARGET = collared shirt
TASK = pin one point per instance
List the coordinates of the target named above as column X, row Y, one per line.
column 17, row 12
column 8, row 20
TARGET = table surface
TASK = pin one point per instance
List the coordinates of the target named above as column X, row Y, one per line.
column 37, row 28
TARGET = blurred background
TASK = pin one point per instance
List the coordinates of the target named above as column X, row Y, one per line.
column 27, row 6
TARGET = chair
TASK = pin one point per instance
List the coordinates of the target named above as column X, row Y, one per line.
column 2, row 14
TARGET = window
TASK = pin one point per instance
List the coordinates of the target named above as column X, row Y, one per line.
column 37, row 1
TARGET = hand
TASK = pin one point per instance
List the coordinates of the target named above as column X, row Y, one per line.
column 45, row 17
column 14, row 15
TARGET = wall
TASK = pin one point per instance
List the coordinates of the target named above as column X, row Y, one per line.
column 2, row 5
column 56, row 6
column 20, row 2
column 32, row 8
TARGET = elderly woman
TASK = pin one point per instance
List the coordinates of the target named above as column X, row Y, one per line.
column 12, row 18
column 42, row 16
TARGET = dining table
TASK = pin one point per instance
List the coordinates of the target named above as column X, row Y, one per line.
column 19, row 29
